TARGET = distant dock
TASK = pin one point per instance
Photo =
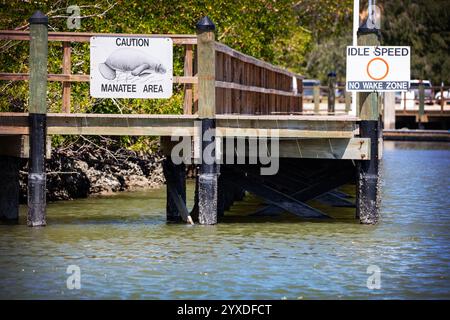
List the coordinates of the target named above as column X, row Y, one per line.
column 416, row 135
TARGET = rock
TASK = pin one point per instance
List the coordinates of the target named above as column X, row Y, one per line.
column 134, row 182
column 102, row 183
column 84, row 169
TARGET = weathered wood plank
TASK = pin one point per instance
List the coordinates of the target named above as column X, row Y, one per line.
column 19, row 146
column 287, row 127
column 103, row 124
column 80, row 78
column 249, row 59
column 161, row 125
column 188, row 72
column 66, row 69
column 349, row 149
column 353, row 148
column 248, row 88
column 86, row 36
column 206, row 57
column 330, row 118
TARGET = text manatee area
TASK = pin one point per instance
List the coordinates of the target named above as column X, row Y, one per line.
column 131, row 67
column 380, row 68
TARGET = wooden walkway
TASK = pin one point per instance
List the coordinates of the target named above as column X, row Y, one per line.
column 238, row 96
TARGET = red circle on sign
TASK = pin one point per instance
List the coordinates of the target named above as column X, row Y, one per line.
column 387, row 69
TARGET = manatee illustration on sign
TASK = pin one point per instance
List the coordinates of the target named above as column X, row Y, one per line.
column 131, row 67
column 130, row 60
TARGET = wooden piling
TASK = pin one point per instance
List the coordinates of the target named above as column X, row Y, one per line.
column 175, row 176
column 389, row 110
column 37, row 119
column 316, row 97
column 208, row 175
column 9, row 189
column 221, row 196
column 367, row 186
column 421, row 104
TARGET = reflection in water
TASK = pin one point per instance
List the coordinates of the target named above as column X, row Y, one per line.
column 126, row 250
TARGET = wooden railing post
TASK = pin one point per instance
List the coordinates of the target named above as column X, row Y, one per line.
column 66, row 68
column 316, row 98
column 188, row 72
column 293, row 100
column 207, row 179
column 421, row 103
column 389, row 110
column 331, row 91
column 37, row 118
column 348, row 101
column 367, row 192
column 442, row 97
column 301, row 91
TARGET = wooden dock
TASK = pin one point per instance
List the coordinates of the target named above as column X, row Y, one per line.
column 417, row 135
column 237, row 97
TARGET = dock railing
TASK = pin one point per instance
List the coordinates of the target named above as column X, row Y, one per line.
column 323, row 94
column 431, row 98
column 228, row 96
column 244, row 84
column 66, row 77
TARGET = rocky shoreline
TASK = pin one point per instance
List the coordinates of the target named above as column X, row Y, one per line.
column 86, row 168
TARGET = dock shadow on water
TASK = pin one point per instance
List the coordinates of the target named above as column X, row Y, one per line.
column 125, row 249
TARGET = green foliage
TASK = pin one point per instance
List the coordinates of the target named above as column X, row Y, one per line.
column 330, row 24
column 263, row 28
column 325, row 18
column 306, row 36
column 425, row 26
column 328, row 56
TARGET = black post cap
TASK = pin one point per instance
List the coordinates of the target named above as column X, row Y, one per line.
column 365, row 29
column 205, row 24
column 332, row 74
column 38, row 18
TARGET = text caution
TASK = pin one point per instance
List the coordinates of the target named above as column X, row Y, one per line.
column 131, row 67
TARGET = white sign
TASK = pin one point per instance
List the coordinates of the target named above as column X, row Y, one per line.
column 378, row 68
column 131, row 67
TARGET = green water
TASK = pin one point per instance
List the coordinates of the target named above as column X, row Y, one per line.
column 125, row 249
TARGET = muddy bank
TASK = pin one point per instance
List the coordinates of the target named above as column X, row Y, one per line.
column 88, row 168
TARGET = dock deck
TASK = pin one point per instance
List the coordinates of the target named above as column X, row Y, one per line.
column 233, row 97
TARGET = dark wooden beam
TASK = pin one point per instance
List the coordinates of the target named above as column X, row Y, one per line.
column 9, row 189
column 309, row 189
column 176, row 192
column 333, row 200
column 273, row 196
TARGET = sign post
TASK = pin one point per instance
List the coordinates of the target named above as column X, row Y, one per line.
column 367, row 195
column 37, row 120
column 131, row 67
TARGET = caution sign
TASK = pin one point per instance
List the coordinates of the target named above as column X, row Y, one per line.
column 378, row 68
column 131, row 67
